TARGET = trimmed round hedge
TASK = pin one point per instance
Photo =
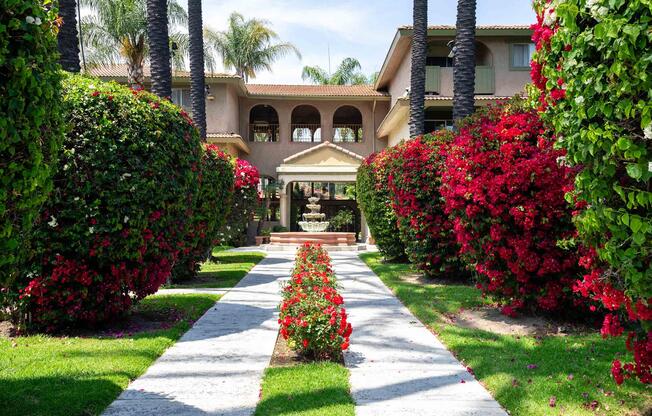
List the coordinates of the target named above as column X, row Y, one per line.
column 31, row 126
column 374, row 198
column 213, row 204
column 122, row 203
column 243, row 205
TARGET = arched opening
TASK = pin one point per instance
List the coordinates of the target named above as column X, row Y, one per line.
column 483, row 55
column 347, row 125
column 306, row 124
column 263, row 124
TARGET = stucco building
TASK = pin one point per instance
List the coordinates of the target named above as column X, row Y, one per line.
column 310, row 139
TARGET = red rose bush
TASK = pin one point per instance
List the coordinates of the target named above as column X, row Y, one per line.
column 312, row 318
column 505, row 192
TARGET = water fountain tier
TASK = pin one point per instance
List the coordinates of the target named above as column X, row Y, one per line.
column 313, row 221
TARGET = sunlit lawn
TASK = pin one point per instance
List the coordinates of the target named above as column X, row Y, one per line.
column 70, row 376
column 306, row 390
column 225, row 269
column 570, row 372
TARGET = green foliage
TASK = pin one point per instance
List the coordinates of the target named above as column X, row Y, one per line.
column 244, row 204
column 347, row 73
column 595, row 87
column 31, row 126
column 122, row 204
column 340, row 220
column 375, row 202
column 211, row 208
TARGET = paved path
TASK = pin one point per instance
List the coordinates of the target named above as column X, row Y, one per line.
column 398, row 367
column 216, row 367
column 191, row 290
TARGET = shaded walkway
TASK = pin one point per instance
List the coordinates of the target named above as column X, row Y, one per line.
column 217, row 366
column 398, row 367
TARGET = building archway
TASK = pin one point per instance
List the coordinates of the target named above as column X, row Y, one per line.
column 263, row 124
column 347, row 125
column 306, row 124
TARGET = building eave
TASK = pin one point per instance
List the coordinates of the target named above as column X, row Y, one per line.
column 228, row 138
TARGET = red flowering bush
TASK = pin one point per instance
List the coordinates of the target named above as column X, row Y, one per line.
column 591, row 76
column 243, row 204
column 414, row 175
column 505, row 190
column 374, row 199
column 118, row 215
column 312, row 318
column 216, row 177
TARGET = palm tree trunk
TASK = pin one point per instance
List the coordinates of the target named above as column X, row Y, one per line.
column 159, row 47
column 197, row 81
column 464, row 65
column 135, row 75
column 68, row 38
column 418, row 70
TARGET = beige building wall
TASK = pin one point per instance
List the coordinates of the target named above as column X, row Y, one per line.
column 222, row 113
column 268, row 156
column 402, row 131
column 401, row 79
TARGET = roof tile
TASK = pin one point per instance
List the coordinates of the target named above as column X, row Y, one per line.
column 313, row 90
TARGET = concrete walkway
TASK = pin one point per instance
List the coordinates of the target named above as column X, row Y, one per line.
column 398, row 367
column 217, row 366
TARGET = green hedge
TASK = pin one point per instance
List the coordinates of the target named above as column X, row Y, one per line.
column 123, row 202
column 30, row 124
column 375, row 202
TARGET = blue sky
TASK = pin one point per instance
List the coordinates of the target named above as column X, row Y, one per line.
column 350, row 28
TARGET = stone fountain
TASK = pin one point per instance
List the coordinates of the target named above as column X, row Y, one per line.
column 313, row 221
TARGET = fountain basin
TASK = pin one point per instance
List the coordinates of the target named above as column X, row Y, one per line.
column 324, row 238
column 313, row 226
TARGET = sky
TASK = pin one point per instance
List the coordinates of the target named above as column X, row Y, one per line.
column 361, row 29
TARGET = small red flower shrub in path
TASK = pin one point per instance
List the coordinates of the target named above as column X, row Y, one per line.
column 312, row 318
column 505, row 190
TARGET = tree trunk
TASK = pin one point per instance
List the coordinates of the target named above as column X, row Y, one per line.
column 135, row 75
column 197, row 81
column 464, row 64
column 68, row 38
column 418, row 70
column 159, row 47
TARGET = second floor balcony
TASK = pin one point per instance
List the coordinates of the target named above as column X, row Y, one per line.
column 439, row 80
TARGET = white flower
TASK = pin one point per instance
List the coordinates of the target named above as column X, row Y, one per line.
column 126, row 175
column 579, row 100
column 596, row 9
column 125, row 220
column 66, row 167
column 76, row 198
column 91, row 230
column 549, row 17
column 53, row 222
column 132, row 189
column 38, row 20
column 30, row 20
column 647, row 132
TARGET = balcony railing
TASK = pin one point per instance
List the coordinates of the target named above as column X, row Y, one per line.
column 306, row 133
column 485, row 80
column 263, row 132
column 347, row 133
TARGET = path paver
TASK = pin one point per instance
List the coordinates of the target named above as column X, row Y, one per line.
column 217, row 366
column 398, row 367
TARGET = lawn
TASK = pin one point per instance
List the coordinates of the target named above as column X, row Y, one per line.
column 555, row 375
column 225, row 269
column 306, row 390
column 82, row 375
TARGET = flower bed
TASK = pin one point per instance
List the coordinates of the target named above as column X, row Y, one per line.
column 312, row 319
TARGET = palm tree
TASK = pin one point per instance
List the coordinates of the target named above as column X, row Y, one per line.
column 68, row 40
column 418, row 70
column 116, row 32
column 247, row 46
column 197, row 81
column 159, row 44
column 464, row 63
column 347, row 73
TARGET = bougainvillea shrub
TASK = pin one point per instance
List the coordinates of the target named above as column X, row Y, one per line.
column 30, row 125
column 312, row 318
column 414, row 176
column 505, row 191
column 592, row 75
column 123, row 196
column 374, row 200
column 243, row 205
column 212, row 205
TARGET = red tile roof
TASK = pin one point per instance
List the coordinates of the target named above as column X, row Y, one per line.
column 120, row 70
column 479, row 27
column 313, row 90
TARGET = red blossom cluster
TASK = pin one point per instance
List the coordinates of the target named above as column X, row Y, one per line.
column 505, row 192
column 414, row 175
column 246, row 175
column 312, row 318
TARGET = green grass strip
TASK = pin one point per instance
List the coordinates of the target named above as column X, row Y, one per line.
column 567, row 375
column 306, row 390
column 70, row 376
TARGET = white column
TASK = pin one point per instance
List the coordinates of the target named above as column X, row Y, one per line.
column 284, row 207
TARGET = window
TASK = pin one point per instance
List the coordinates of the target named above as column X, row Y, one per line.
column 443, row 61
column 181, row 97
column 521, row 55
